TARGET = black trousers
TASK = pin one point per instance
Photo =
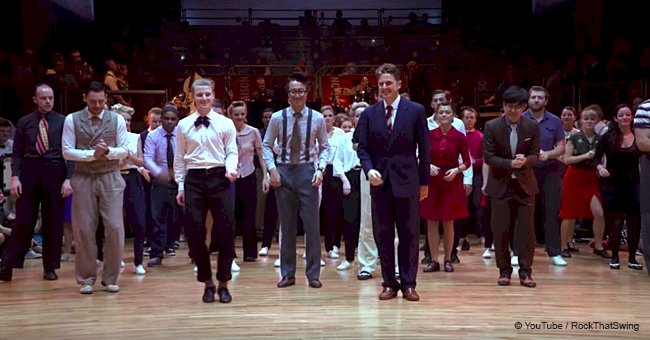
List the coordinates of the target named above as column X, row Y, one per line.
column 210, row 190
column 486, row 230
column 134, row 207
column 245, row 207
column 147, row 202
column 270, row 218
column 471, row 224
column 41, row 187
column 331, row 209
column 166, row 214
column 513, row 226
column 547, row 208
column 401, row 212
column 352, row 214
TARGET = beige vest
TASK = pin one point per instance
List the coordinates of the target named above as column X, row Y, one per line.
column 86, row 140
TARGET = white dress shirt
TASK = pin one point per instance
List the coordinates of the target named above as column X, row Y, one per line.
column 345, row 157
column 135, row 150
column 334, row 141
column 204, row 148
column 69, row 141
column 458, row 124
column 7, row 148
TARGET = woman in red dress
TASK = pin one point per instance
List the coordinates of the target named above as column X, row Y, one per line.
column 446, row 201
column 581, row 197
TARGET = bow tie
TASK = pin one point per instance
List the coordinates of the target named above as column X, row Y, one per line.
column 202, row 120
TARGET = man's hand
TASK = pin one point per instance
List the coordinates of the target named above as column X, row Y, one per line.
column 16, row 187
column 100, row 150
column 424, row 192
column 590, row 154
column 164, row 177
column 433, row 170
column 66, row 188
column 275, row 180
column 317, row 179
column 519, row 161
column 543, row 156
column 468, row 189
column 145, row 173
column 231, row 175
column 347, row 188
column 375, row 177
column 180, row 198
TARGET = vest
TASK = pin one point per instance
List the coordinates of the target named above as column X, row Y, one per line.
column 86, row 140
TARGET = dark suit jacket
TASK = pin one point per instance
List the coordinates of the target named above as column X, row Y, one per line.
column 497, row 154
column 394, row 155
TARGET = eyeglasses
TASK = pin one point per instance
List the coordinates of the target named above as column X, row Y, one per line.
column 513, row 107
column 300, row 92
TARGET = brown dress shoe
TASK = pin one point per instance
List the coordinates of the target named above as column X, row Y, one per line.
column 286, row 282
column 434, row 266
column 315, row 283
column 527, row 281
column 388, row 293
column 410, row 294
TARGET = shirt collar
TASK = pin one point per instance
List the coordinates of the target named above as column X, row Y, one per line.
column 509, row 124
column 101, row 114
column 303, row 112
column 528, row 113
column 395, row 103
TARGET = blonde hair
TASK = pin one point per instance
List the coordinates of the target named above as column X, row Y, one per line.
column 123, row 109
column 203, row 82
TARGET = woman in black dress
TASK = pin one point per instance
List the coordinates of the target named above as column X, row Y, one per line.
column 621, row 183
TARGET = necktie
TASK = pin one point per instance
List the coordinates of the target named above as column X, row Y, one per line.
column 513, row 139
column 170, row 152
column 42, row 142
column 202, row 120
column 95, row 121
column 295, row 140
column 389, row 115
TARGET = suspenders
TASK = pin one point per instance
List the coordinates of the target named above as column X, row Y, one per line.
column 284, row 135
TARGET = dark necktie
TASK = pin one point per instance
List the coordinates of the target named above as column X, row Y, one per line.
column 170, row 152
column 42, row 142
column 295, row 139
column 202, row 120
column 389, row 115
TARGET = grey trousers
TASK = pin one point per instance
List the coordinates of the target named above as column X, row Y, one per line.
column 645, row 209
column 95, row 196
column 297, row 191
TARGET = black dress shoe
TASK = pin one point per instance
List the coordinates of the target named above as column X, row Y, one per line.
column 208, row 294
column 364, row 275
column 465, row 245
column 154, row 262
column 315, row 283
column 50, row 275
column 286, row 282
column 5, row 273
column 224, row 295
column 455, row 259
column 249, row 259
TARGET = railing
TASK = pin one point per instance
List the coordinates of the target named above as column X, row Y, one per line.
column 253, row 16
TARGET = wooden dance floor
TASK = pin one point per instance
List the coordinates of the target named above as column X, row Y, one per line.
column 166, row 303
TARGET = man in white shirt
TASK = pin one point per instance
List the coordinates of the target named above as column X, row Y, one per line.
column 97, row 140
column 205, row 165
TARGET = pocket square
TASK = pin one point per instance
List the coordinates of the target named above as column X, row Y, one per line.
column 527, row 139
